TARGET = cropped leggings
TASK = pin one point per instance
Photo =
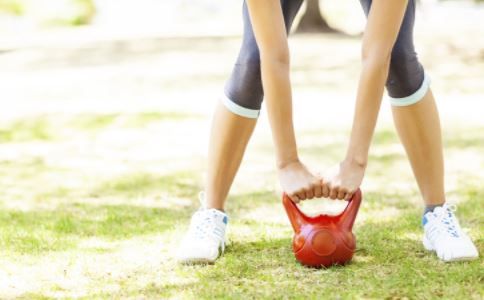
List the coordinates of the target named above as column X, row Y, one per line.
column 406, row 84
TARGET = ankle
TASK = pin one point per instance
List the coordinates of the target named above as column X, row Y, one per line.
column 221, row 209
column 209, row 201
column 214, row 205
column 430, row 207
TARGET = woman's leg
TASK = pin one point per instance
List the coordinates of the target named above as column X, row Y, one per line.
column 228, row 139
column 235, row 118
column 417, row 122
column 232, row 126
column 415, row 114
column 414, row 111
column 418, row 126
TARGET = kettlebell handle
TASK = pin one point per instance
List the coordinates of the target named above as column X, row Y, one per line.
column 346, row 219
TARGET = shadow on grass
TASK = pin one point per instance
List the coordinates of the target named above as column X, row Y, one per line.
column 125, row 120
column 35, row 232
column 31, row 129
column 176, row 184
column 61, row 228
column 134, row 185
column 46, row 127
column 389, row 262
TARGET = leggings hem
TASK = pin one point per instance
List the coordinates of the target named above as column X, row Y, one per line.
column 239, row 110
column 415, row 97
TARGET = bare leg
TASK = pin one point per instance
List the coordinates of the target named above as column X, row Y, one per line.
column 418, row 126
column 229, row 136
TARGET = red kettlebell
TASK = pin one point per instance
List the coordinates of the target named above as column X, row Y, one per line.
column 323, row 241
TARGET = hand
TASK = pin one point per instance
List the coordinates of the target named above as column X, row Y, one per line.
column 344, row 181
column 298, row 183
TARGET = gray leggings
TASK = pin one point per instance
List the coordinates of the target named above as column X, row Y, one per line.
column 406, row 83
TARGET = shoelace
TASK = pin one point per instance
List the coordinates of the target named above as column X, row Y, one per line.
column 448, row 222
column 206, row 227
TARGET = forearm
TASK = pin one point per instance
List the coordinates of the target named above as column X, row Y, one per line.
column 380, row 35
column 270, row 32
column 277, row 91
column 368, row 102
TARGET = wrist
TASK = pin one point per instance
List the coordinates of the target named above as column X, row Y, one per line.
column 283, row 163
column 360, row 161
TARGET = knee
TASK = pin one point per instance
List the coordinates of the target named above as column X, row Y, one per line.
column 407, row 82
column 249, row 54
column 243, row 91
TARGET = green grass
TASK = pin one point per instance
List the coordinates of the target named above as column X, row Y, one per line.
column 179, row 184
column 464, row 139
column 32, row 129
column 48, row 127
column 60, row 229
column 92, row 205
column 389, row 263
column 93, row 122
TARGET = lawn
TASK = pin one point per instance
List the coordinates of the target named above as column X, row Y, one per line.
column 101, row 164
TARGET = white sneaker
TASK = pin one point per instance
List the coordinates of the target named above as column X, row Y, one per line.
column 205, row 240
column 443, row 234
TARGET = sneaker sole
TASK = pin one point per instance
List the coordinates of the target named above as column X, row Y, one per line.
column 201, row 260
column 429, row 247
column 197, row 261
column 427, row 244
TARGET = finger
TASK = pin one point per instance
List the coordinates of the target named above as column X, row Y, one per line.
column 301, row 195
column 318, row 190
column 294, row 198
column 326, row 189
column 341, row 194
column 348, row 196
column 309, row 193
column 333, row 193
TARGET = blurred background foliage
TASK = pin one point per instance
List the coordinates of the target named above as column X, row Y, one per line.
column 82, row 12
column 51, row 12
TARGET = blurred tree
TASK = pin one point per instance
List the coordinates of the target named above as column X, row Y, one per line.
column 312, row 19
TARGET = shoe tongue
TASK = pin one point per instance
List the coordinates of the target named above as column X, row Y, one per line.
column 218, row 214
column 439, row 210
column 215, row 211
column 212, row 212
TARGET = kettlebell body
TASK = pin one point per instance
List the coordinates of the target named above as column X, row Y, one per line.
column 323, row 240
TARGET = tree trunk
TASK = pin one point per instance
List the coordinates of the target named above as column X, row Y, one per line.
column 312, row 20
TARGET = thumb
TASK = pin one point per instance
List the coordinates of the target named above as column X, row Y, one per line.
column 295, row 199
